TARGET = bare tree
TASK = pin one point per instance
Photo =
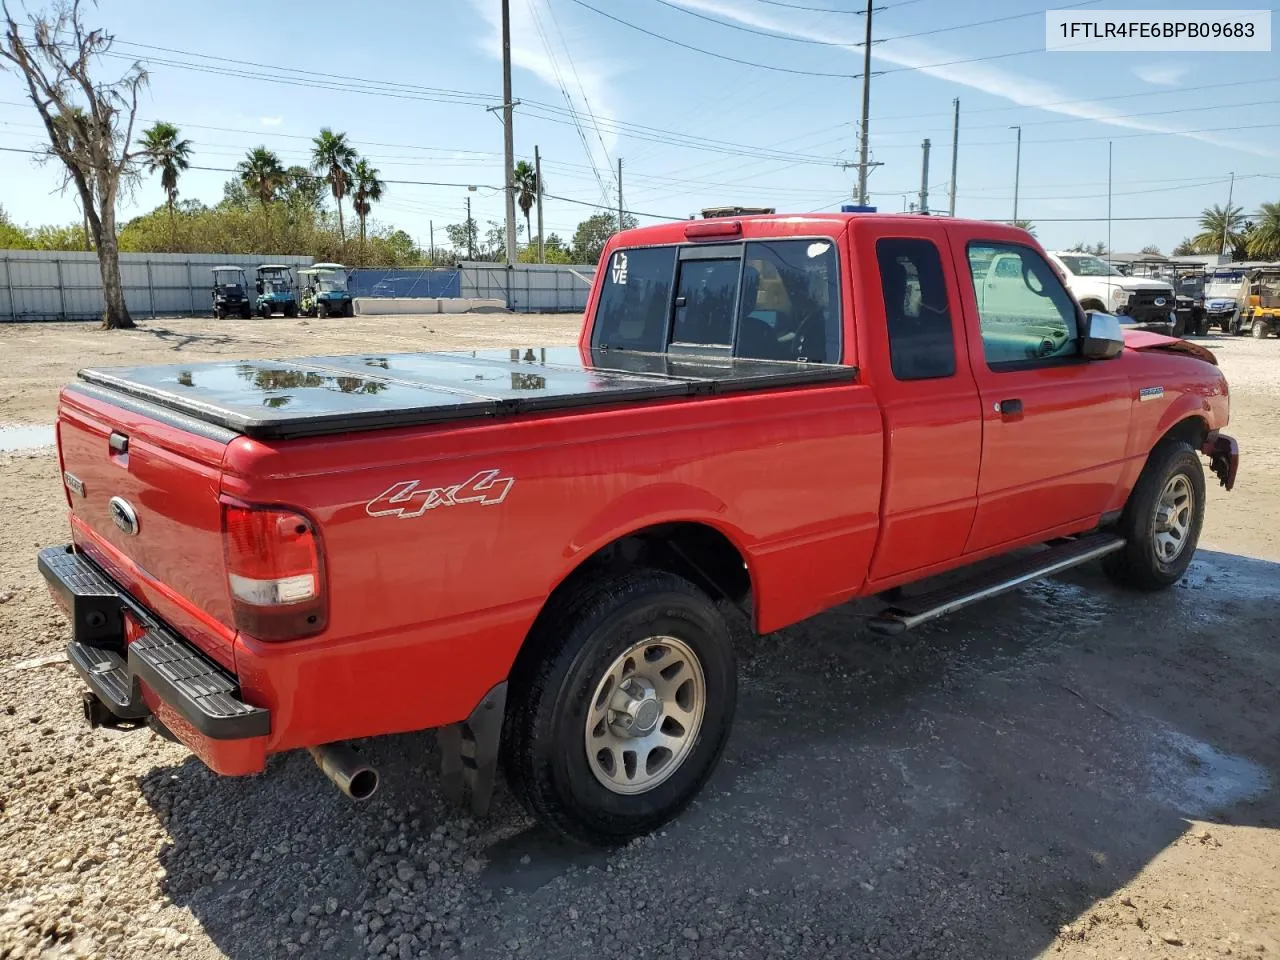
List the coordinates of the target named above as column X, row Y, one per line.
column 89, row 124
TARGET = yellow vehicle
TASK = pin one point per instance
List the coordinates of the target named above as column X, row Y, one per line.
column 1259, row 302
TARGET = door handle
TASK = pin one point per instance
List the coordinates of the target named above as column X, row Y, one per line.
column 1009, row 409
column 682, row 301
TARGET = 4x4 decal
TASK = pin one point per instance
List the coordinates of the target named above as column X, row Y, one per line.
column 409, row 499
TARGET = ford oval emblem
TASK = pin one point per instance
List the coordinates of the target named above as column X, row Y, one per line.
column 124, row 516
column 1161, row 301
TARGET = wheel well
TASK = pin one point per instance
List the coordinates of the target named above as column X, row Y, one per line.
column 1192, row 430
column 695, row 551
column 1092, row 303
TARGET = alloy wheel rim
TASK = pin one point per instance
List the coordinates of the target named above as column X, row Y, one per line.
column 645, row 715
column 1171, row 525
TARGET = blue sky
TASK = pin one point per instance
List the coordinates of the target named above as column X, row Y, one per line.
column 1180, row 123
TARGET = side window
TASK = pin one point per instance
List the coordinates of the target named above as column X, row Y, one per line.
column 635, row 300
column 1025, row 312
column 921, row 344
column 790, row 306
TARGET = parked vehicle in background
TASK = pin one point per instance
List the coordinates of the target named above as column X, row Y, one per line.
column 1097, row 285
column 324, row 291
column 1221, row 293
column 275, row 290
column 540, row 551
column 231, row 293
column 1188, row 281
column 1259, row 299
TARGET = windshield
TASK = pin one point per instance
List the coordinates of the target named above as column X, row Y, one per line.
column 276, row 285
column 1086, row 266
column 331, row 283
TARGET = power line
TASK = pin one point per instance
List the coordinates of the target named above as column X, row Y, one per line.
column 852, row 13
column 707, row 53
column 765, row 33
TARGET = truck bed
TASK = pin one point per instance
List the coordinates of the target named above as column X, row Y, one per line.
column 315, row 396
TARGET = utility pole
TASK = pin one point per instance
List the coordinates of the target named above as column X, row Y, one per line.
column 620, row 195
column 924, row 177
column 471, row 233
column 1226, row 220
column 537, row 175
column 1017, row 172
column 955, row 158
column 1108, row 201
column 866, row 110
column 508, row 135
column 431, row 226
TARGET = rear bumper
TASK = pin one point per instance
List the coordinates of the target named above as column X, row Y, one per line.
column 1224, row 457
column 158, row 673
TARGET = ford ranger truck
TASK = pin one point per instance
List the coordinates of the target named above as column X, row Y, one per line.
column 1140, row 303
column 539, row 551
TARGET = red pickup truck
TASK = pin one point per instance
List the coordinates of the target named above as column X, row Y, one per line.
column 534, row 550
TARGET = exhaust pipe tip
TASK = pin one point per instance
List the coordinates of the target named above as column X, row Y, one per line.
column 346, row 770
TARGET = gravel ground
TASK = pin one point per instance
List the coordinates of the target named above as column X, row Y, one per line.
column 1070, row 769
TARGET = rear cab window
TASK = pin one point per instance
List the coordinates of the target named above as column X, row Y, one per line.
column 755, row 299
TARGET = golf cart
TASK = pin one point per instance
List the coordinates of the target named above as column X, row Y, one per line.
column 324, row 291
column 1259, row 302
column 230, row 294
column 275, row 291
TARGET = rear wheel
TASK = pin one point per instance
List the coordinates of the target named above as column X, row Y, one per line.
column 219, row 313
column 264, row 311
column 1179, row 325
column 349, row 309
column 1260, row 329
column 1162, row 520
column 246, row 312
column 621, row 706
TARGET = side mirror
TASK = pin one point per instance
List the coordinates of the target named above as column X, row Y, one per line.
column 1100, row 336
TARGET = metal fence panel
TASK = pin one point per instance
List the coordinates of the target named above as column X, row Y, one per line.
column 404, row 282
column 58, row 285
column 530, row 287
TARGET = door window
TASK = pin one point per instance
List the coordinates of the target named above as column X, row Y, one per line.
column 921, row 344
column 790, row 302
column 1026, row 315
column 705, row 297
column 635, row 300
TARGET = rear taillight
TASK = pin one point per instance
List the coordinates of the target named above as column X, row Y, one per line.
column 275, row 572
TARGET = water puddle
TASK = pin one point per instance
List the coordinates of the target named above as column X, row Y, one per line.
column 15, row 437
column 1197, row 778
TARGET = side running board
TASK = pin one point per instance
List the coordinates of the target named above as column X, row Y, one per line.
column 908, row 612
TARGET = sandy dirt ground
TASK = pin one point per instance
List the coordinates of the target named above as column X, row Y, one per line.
column 1069, row 770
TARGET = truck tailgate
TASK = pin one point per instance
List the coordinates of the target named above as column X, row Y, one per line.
column 143, row 487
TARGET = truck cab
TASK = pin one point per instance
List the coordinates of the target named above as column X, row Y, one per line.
column 539, row 552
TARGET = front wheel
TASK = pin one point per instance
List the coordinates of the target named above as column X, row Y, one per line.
column 322, row 309
column 1260, row 329
column 1162, row 520
column 621, row 706
column 219, row 313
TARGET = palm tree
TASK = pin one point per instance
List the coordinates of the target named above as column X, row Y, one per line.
column 163, row 150
column 332, row 157
column 1026, row 225
column 525, row 180
column 1221, row 228
column 261, row 173
column 366, row 191
column 1264, row 241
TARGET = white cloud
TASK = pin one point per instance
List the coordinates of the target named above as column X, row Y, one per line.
column 585, row 79
column 985, row 77
column 271, row 121
column 1163, row 74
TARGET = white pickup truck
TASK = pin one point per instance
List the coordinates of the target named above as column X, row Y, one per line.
column 1096, row 285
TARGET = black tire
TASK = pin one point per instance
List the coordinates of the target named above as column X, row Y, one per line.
column 568, row 654
column 291, row 311
column 322, row 309
column 1260, row 329
column 246, row 312
column 219, row 313
column 1179, row 326
column 349, row 309
column 1139, row 564
column 264, row 311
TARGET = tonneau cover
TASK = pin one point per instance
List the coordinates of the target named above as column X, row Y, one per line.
column 313, row 396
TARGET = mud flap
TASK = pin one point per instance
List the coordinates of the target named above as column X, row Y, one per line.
column 469, row 752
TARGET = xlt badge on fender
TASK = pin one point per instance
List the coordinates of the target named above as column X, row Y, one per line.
column 124, row 516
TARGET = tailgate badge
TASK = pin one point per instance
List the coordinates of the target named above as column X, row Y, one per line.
column 74, row 483
column 124, row 516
